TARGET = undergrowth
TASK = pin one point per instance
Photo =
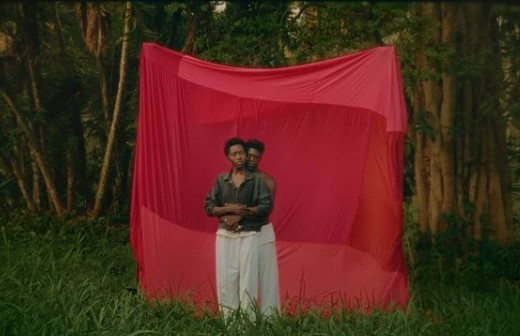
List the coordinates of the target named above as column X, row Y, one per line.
column 78, row 277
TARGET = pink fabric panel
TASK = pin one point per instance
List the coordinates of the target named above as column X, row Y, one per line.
column 335, row 276
column 377, row 228
column 333, row 132
column 172, row 261
column 320, row 82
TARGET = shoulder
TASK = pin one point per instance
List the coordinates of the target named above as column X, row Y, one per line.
column 222, row 177
column 254, row 175
column 268, row 178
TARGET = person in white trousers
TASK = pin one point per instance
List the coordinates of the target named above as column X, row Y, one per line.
column 268, row 284
column 241, row 201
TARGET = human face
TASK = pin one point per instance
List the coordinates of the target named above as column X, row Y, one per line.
column 237, row 156
column 253, row 158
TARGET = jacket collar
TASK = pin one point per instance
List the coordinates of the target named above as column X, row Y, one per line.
column 249, row 175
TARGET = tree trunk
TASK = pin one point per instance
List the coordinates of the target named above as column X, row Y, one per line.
column 103, row 177
column 103, row 84
column 70, row 180
column 447, row 117
column 29, row 37
column 94, row 25
column 461, row 166
column 15, row 169
column 434, row 107
column 36, row 194
column 190, row 46
column 37, row 155
column 493, row 203
column 59, row 30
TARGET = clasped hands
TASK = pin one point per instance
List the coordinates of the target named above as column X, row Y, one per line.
column 239, row 210
column 234, row 214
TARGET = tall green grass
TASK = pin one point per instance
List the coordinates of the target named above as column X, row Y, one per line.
column 61, row 280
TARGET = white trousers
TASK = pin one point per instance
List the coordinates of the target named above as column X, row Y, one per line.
column 268, row 286
column 237, row 270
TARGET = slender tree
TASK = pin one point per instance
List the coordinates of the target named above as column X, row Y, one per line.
column 103, row 177
column 36, row 154
column 94, row 24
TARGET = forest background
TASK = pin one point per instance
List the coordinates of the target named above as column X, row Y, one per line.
column 69, row 98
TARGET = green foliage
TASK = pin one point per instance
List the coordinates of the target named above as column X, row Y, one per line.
column 457, row 260
column 422, row 125
column 245, row 34
column 320, row 30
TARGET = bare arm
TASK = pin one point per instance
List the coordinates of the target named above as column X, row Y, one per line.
column 271, row 185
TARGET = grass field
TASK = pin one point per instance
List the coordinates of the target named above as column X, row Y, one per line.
column 56, row 280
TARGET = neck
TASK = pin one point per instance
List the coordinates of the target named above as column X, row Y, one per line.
column 237, row 170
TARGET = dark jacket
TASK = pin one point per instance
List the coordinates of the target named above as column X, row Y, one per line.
column 252, row 192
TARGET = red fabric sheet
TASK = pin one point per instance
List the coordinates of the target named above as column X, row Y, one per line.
column 333, row 132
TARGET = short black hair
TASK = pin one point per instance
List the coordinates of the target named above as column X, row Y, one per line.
column 255, row 144
column 232, row 142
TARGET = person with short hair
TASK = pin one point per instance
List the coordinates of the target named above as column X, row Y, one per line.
column 268, row 284
column 241, row 200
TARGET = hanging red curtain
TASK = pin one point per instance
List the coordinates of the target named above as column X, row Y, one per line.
column 334, row 134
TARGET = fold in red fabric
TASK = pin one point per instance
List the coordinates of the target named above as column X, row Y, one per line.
column 333, row 132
